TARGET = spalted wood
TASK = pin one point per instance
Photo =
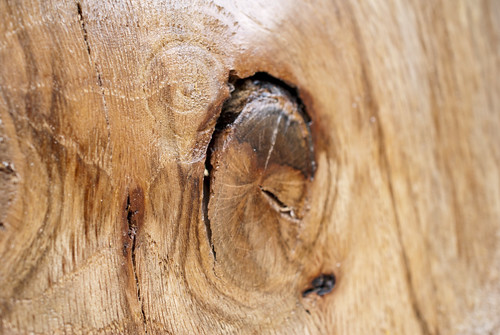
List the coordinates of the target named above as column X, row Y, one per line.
column 350, row 186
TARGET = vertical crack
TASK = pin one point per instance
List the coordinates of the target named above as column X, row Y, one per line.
column 82, row 23
column 134, row 216
column 206, row 197
column 96, row 67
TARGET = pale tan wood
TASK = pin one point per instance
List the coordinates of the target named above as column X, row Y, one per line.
column 107, row 109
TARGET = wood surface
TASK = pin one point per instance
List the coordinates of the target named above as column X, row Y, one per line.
column 350, row 186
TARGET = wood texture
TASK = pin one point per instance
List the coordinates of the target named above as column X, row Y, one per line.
column 108, row 110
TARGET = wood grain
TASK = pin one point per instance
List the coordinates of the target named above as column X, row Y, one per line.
column 108, row 110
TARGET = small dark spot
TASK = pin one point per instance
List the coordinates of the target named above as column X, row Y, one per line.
column 321, row 285
column 125, row 248
column 307, row 311
column 2, row 226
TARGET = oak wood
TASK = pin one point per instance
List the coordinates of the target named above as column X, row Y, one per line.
column 108, row 110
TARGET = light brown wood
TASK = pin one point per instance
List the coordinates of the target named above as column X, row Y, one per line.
column 108, row 110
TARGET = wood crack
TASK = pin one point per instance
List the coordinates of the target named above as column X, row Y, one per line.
column 84, row 29
column 134, row 216
column 206, row 197
column 96, row 67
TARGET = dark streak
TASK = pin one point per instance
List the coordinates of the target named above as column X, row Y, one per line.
column 275, row 198
column 284, row 208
